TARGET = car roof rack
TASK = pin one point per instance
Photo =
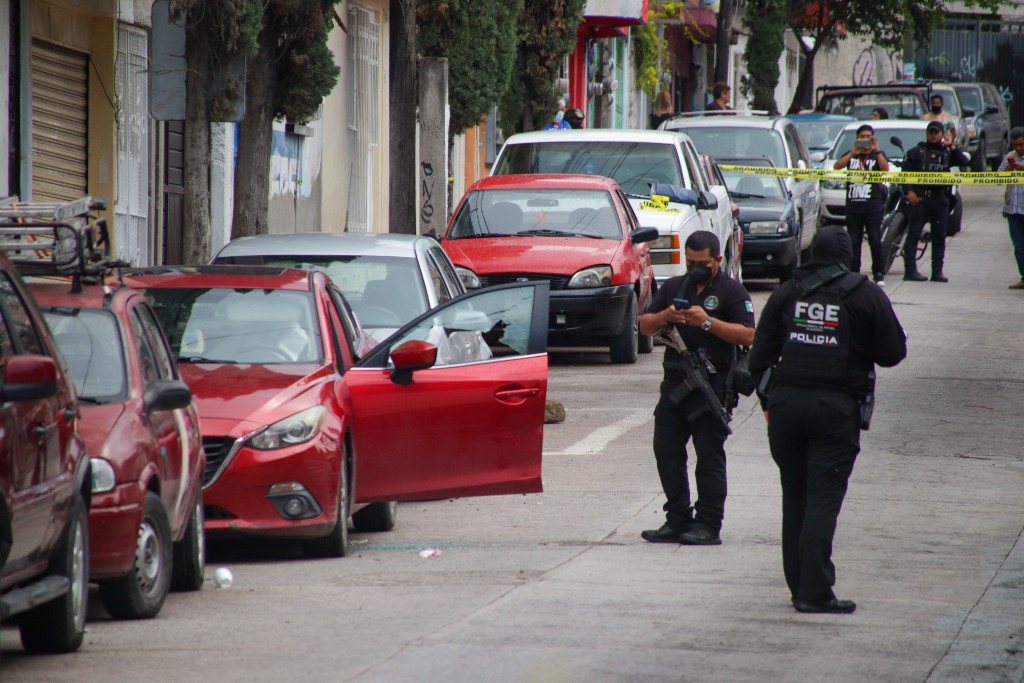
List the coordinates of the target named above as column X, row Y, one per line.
column 56, row 238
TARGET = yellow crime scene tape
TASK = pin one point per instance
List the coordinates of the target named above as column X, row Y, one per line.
column 903, row 177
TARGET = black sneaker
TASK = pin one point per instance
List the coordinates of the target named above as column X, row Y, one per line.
column 914, row 276
column 833, row 606
column 700, row 535
column 939, row 277
column 880, row 279
column 666, row 534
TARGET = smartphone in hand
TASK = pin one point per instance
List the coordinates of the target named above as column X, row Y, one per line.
column 680, row 304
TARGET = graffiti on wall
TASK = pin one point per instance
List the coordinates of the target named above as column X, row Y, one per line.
column 875, row 66
column 427, row 183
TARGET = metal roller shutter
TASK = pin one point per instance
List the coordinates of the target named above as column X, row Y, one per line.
column 59, row 123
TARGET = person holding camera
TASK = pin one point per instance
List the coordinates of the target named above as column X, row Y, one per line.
column 929, row 203
column 713, row 314
column 817, row 343
column 865, row 202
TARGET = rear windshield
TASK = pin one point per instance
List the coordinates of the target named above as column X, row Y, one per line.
column 634, row 165
column 737, row 141
column 860, row 105
column 223, row 325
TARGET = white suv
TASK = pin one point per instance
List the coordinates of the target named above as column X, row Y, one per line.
column 637, row 159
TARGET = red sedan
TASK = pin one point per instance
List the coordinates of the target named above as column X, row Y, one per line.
column 305, row 422
column 576, row 232
column 142, row 431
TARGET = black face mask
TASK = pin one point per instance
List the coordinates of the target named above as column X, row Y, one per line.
column 937, row 110
column 699, row 273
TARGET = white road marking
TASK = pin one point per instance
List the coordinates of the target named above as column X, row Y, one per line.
column 598, row 440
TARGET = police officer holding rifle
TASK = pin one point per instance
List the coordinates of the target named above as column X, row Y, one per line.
column 817, row 343
column 702, row 316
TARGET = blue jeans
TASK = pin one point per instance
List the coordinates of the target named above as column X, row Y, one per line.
column 1016, row 223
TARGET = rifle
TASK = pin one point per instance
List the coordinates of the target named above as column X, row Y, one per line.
column 694, row 367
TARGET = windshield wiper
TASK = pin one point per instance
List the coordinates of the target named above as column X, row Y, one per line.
column 746, row 195
column 90, row 400
column 552, row 233
column 202, row 359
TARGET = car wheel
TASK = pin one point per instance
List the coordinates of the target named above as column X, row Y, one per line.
column 190, row 552
column 645, row 343
column 59, row 625
column 624, row 346
column 335, row 543
column 141, row 592
column 376, row 517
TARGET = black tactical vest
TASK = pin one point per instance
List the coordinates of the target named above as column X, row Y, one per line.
column 935, row 160
column 817, row 345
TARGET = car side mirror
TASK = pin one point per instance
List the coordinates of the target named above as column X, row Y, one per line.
column 29, row 378
column 708, row 200
column 166, row 394
column 991, row 109
column 968, row 113
column 410, row 356
column 644, row 235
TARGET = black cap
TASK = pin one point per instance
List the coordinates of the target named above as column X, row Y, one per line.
column 934, row 125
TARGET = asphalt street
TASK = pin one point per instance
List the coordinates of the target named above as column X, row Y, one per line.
column 558, row 587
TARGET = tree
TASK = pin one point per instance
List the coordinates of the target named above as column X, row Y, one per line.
column 288, row 77
column 889, row 23
column 766, row 22
column 218, row 31
column 547, row 34
column 478, row 38
column 402, row 124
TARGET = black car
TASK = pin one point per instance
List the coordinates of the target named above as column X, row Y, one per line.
column 768, row 218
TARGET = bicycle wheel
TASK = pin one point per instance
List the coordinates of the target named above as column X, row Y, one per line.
column 894, row 229
column 922, row 244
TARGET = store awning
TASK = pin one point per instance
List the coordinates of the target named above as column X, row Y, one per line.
column 612, row 18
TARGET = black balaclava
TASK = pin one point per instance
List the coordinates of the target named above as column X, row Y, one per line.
column 831, row 244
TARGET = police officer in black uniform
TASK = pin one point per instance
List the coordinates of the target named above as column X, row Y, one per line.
column 929, row 203
column 720, row 317
column 817, row 343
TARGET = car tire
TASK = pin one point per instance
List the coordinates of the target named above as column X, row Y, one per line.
column 190, row 552
column 645, row 344
column 376, row 517
column 59, row 625
column 141, row 592
column 625, row 345
column 335, row 543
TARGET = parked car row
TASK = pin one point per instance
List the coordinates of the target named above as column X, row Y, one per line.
column 238, row 400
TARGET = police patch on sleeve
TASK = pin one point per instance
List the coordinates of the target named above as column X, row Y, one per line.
column 749, row 305
column 711, row 303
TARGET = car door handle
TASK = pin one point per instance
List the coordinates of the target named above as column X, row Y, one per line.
column 517, row 395
column 70, row 413
column 41, row 430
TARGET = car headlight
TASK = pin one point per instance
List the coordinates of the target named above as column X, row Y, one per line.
column 833, row 184
column 468, row 277
column 768, row 227
column 594, row 276
column 665, row 242
column 298, row 428
column 103, row 478
column 972, row 130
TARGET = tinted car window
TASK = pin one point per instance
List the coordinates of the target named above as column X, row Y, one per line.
column 24, row 334
column 156, row 338
column 151, row 367
column 440, row 262
column 729, row 141
column 89, row 341
column 634, row 165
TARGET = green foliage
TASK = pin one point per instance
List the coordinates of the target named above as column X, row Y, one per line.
column 547, row 34
column 649, row 54
column 478, row 37
column 766, row 21
column 305, row 67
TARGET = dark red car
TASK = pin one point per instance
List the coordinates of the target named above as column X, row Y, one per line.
column 304, row 421
column 576, row 232
column 44, row 481
column 142, row 431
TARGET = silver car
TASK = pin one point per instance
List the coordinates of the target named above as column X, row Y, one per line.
column 387, row 279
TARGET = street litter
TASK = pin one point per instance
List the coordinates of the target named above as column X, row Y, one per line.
column 430, row 552
column 223, row 578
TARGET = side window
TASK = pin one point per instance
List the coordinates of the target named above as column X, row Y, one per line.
column 700, row 183
column 157, row 340
column 627, row 209
column 21, row 331
column 6, row 343
column 344, row 313
column 451, row 278
column 437, row 280
column 797, row 151
column 151, row 370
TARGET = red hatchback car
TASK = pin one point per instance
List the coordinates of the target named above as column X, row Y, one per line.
column 142, row 431
column 576, row 232
column 304, row 421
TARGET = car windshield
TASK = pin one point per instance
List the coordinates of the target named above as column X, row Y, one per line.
column 819, row 135
column 86, row 339
column 905, row 105
column 970, row 98
column 950, row 101
column 384, row 291
column 751, row 186
column 633, row 165
column 910, row 137
column 559, row 212
column 730, row 141
column 222, row 325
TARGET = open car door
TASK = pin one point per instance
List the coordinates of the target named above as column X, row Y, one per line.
column 452, row 404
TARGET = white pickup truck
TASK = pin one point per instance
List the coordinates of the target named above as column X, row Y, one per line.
column 637, row 159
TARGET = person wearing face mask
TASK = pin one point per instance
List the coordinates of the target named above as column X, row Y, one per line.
column 820, row 336
column 717, row 316
column 943, row 117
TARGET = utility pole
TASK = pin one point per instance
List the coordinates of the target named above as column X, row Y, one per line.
column 726, row 16
column 401, row 96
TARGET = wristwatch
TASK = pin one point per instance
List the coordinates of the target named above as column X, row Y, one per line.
column 706, row 325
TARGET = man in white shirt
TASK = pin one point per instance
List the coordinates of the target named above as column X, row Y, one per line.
column 1014, row 198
